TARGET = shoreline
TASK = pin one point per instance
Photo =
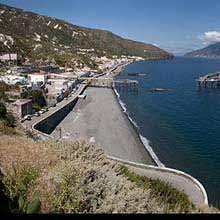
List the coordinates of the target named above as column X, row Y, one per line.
column 106, row 126
column 142, row 139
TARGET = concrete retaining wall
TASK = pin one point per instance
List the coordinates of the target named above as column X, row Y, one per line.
column 48, row 124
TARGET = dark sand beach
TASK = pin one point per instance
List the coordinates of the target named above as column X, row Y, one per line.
column 100, row 119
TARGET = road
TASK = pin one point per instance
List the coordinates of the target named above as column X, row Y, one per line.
column 28, row 124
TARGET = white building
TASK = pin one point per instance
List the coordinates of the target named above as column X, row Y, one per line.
column 57, row 86
column 37, row 78
column 8, row 57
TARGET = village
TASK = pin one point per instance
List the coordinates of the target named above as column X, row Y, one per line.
column 28, row 90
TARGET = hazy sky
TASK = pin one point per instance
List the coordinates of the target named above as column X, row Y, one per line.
column 175, row 25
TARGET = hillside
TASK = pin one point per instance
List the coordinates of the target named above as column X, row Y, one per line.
column 212, row 51
column 46, row 38
column 64, row 177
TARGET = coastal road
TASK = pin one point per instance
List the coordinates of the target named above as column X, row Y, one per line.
column 28, row 124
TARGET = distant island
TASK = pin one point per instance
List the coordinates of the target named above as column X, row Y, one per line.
column 211, row 51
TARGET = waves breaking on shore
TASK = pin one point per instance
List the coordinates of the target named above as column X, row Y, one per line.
column 143, row 139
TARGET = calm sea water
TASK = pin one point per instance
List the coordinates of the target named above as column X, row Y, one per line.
column 183, row 124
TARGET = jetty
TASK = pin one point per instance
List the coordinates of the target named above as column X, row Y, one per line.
column 109, row 82
column 209, row 80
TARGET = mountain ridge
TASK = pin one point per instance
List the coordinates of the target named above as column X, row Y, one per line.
column 211, row 51
column 39, row 37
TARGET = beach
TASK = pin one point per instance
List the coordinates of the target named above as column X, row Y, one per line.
column 100, row 120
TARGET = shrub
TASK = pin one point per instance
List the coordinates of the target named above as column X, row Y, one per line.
column 5, row 129
column 17, row 183
column 78, row 178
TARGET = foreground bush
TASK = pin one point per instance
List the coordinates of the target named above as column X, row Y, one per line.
column 61, row 177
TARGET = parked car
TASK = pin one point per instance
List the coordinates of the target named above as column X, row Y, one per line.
column 41, row 112
column 37, row 114
column 27, row 117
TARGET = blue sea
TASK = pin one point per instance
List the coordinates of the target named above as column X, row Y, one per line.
column 182, row 125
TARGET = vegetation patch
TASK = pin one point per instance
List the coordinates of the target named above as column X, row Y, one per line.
column 17, row 183
column 37, row 97
column 173, row 198
column 76, row 177
column 7, row 121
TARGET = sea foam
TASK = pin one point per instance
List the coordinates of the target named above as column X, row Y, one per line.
column 143, row 139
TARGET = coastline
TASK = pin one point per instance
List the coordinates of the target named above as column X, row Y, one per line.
column 193, row 188
column 106, row 126
column 143, row 139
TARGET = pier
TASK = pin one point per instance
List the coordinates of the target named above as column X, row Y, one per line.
column 209, row 80
column 124, row 84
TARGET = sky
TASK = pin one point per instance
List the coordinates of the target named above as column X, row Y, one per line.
column 177, row 26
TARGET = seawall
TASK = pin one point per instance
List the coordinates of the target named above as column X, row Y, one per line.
column 44, row 127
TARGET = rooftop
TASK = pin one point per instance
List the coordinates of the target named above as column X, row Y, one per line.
column 22, row 101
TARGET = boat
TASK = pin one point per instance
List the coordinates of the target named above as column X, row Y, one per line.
column 159, row 90
column 132, row 74
column 136, row 74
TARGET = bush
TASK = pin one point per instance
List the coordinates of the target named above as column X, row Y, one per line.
column 77, row 178
column 17, row 184
column 37, row 98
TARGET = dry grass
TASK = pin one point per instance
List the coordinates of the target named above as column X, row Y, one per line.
column 76, row 178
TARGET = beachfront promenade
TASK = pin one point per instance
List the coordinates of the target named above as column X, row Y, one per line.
column 100, row 120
